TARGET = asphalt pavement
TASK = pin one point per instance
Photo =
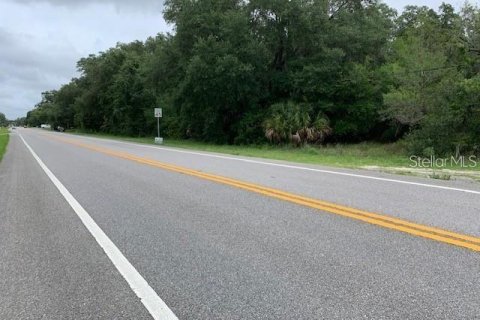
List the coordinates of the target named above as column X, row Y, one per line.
column 216, row 251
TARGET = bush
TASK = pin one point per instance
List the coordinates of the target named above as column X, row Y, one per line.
column 292, row 122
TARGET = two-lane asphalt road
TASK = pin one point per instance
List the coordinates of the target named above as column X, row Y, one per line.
column 100, row 229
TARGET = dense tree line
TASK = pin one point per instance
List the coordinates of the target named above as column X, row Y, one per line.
column 306, row 71
column 3, row 120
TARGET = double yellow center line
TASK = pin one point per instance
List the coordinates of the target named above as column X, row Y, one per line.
column 445, row 236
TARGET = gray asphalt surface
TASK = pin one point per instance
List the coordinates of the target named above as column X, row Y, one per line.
column 212, row 251
column 50, row 266
column 446, row 209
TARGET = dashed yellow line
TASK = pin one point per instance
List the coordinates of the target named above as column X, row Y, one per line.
column 441, row 235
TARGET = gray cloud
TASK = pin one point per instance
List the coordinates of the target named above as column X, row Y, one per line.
column 76, row 2
column 138, row 5
column 26, row 70
column 41, row 41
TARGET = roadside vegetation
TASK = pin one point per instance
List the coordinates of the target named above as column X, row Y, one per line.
column 379, row 156
column 348, row 155
column 3, row 141
column 344, row 82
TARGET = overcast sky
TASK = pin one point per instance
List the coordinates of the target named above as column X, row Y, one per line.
column 41, row 40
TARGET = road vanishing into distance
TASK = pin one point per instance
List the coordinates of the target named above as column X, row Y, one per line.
column 101, row 229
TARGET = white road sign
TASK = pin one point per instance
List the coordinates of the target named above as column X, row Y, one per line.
column 158, row 112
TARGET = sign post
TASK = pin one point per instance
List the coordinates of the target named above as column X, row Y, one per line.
column 158, row 115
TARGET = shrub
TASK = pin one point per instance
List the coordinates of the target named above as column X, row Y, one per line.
column 292, row 122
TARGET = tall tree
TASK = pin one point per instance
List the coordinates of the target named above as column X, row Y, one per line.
column 3, row 120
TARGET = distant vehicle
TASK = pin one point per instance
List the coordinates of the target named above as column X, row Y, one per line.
column 61, row 129
column 24, row 126
column 46, row 126
column 13, row 128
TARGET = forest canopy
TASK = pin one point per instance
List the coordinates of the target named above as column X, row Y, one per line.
column 242, row 72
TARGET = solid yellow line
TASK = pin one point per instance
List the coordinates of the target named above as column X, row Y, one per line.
column 441, row 235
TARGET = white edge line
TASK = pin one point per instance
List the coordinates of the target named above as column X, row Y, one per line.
column 288, row 166
column 152, row 302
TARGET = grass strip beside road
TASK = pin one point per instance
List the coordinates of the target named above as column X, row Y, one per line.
column 441, row 235
column 3, row 141
column 339, row 155
column 360, row 155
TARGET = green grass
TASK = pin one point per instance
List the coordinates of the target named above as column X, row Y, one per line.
column 3, row 141
column 337, row 155
column 357, row 155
